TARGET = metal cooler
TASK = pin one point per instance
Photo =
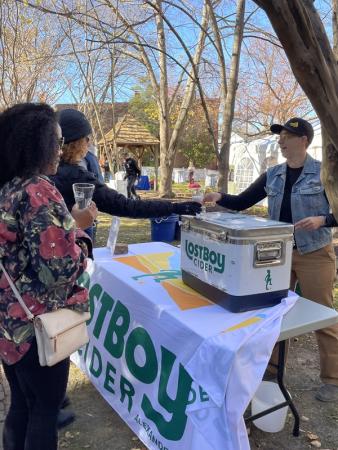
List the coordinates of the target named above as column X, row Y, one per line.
column 238, row 261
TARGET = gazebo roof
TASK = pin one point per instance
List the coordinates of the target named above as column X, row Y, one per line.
column 130, row 132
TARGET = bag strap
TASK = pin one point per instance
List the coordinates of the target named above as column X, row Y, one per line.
column 29, row 315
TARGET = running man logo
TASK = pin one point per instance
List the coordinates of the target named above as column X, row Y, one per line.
column 268, row 280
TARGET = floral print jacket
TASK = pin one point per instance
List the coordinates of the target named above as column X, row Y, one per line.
column 39, row 250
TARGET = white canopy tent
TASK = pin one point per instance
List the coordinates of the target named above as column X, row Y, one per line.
column 251, row 159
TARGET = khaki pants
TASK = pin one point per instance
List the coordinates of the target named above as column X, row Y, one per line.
column 315, row 273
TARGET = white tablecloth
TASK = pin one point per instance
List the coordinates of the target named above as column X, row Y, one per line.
column 178, row 369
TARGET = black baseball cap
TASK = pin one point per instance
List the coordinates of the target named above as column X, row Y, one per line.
column 297, row 126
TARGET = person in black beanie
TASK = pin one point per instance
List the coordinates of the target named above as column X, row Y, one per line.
column 75, row 130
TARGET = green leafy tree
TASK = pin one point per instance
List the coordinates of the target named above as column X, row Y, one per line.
column 196, row 144
column 144, row 108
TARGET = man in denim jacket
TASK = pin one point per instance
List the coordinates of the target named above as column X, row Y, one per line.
column 296, row 195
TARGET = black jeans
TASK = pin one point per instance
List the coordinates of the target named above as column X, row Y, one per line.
column 130, row 186
column 36, row 396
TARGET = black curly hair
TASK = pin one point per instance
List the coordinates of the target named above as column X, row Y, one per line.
column 28, row 140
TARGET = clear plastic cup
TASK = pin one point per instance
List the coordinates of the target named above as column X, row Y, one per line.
column 83, row 194
column 198, row 196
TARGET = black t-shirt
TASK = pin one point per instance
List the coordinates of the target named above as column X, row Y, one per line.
column 292, row 176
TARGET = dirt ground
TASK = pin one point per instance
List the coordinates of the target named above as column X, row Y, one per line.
column 98, row 427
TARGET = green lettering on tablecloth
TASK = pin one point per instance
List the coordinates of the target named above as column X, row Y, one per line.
column 96, row 358
column 109, row 380
column 173, row 429
column 117, row 329
column 94, row 294
column 148, row 371
column 127, row 390
column 106, row 305
column 204, row 397
column 143, row 363
column 192, row 396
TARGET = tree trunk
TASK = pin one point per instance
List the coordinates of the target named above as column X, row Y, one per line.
column 155, row 152
column 189, row 89
column 229, row 105
column 335, row 27
column 162, row 101
column 303, row 37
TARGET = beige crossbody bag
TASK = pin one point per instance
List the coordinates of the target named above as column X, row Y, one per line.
column 58, row 333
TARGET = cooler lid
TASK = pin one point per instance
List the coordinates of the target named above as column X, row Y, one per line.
column 239, row 225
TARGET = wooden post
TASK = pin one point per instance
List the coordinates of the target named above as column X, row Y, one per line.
column 155, row 151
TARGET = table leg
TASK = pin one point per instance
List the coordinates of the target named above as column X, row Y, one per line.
column 280, row 379
column 288, row 401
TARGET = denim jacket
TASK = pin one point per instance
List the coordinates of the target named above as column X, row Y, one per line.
column 307, row 199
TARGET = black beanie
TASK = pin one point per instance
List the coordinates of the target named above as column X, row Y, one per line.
column 74, row 125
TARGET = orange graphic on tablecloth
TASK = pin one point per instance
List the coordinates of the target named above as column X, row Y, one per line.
column 157, row 267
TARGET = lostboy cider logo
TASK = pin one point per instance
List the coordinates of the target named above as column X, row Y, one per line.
column 204, row 258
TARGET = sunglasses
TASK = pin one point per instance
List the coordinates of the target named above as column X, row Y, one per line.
column 61, row 142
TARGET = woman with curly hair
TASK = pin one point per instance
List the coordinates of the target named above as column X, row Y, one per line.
column 44, row 255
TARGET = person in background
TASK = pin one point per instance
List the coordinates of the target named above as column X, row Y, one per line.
column 76, row 128
column 38, row 237
column 191, row 173
column 132, row 174
column 106, row 170
column 296, row 195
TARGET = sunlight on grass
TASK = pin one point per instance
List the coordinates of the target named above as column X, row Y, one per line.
column 131, row 231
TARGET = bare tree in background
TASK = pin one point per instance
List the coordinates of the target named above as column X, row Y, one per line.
column 150, row 50
column 29, row 67
column 228, row 93
column 268, row 91
column 96, row 70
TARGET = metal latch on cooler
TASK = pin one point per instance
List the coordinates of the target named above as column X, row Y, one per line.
column 268, row 253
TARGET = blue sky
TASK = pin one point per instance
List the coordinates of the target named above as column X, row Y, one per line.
column 189, row 32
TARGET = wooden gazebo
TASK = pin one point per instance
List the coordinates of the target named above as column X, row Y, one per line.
column 131, row 136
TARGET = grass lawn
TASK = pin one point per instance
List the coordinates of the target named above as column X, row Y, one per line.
column 131, row 231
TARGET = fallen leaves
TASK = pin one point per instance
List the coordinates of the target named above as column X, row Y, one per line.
column 314, row 440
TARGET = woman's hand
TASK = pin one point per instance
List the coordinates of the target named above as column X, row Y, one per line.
column 310, row 223
column 212, row 197
column 84, row 218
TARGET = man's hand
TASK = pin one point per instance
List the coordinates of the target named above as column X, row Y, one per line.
column 212, row 197
column 84, row 218
column 310, row 223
